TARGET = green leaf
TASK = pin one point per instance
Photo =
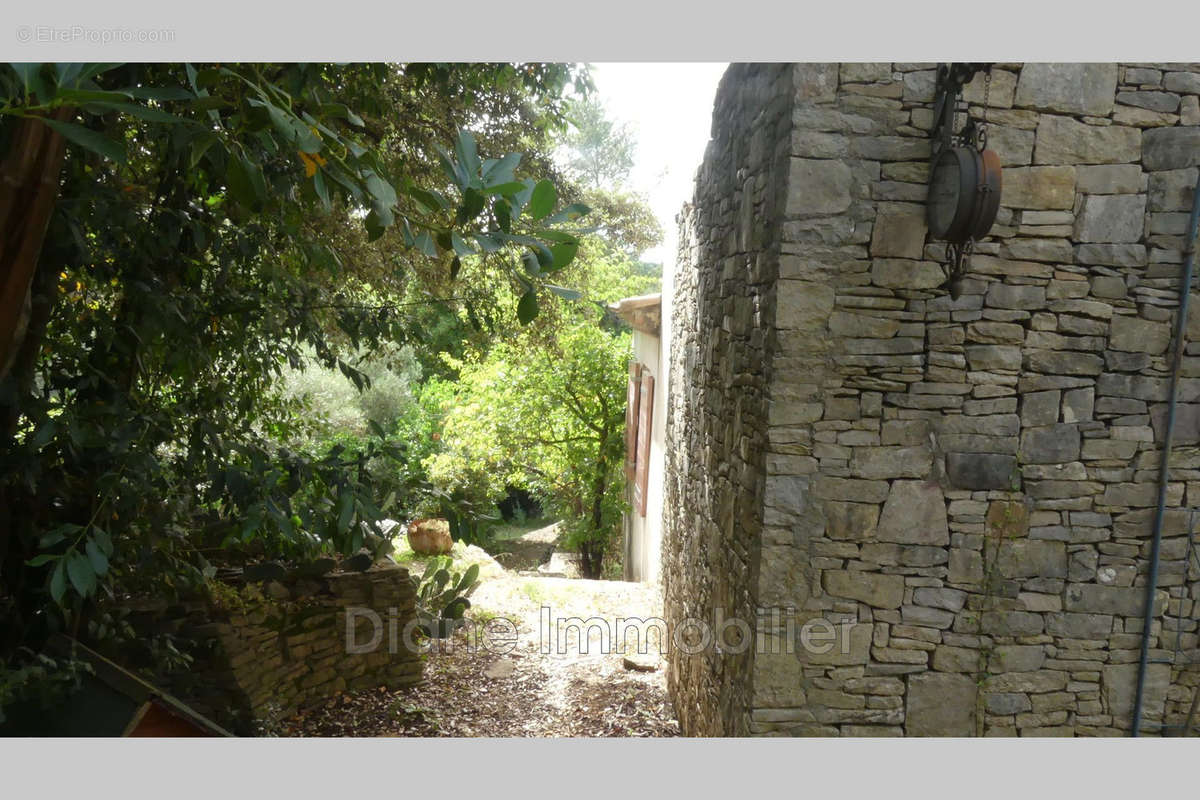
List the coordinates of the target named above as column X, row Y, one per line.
column 527, row 307
column 208, row 103
column 96, row 556
column 161, row 94
column 564, row 253
column 345, row 511
column 44, row 558
column 44, row 435
column 461, row 248
column 569, row 214
column 564, row 292
column 31, row 79
column 143, row 112
column 487, row 243
column 322, row 191
column 521, row 198
column 467, row 153
column 381, row 190
column 532, row 264
column 80, row 571
column 245, row 183
column 452, row 169
column 341, row 178
column 208, row 77
column 290, row 127
column 257, row 180
column 102, row 539
column 456, row 608
column 500, row 172
column 25, row 70
column 339, row 110
column 55, row 536
column 200, row 147
column 58, row 581
column 430, row 201
column 375, row 228
column 356, row 376
column 542, row 201
column 440, row 578
column 68, row 73
column 89, row 139
column 424, row 243
column 81, row 96
column 503, row 215
column 93, row 69
column 472, row 204
column 384, row 215
column 505, row 189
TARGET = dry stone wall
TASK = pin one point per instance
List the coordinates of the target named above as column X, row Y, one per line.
column 717, row 422
column 263, row 655
column 965, row 486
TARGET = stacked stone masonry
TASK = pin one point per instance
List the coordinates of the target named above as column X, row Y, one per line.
column 268, row 659
column 714, row 482
column 965, row 487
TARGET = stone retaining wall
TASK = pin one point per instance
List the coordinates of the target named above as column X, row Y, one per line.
column 968, row 485
column 261, row 659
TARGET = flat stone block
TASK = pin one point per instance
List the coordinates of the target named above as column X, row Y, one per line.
column 980, row 471
column 1062, row 140
column 940, row 704
column 914, row 513
column 1069, row 88
column 1111, row 218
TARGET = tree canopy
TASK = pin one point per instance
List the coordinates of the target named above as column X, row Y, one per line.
column 551, row 418
column 214, row 224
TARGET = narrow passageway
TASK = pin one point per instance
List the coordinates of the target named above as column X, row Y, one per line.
column 487, row 682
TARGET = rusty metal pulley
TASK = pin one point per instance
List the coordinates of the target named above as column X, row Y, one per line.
column 964, row 177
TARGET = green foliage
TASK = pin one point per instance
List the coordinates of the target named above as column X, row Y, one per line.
column 385, row 414
column 29, row 677
column 600, row 152
column 218, row 226
column 469, row 520
column 549, row 417
column 442, row 596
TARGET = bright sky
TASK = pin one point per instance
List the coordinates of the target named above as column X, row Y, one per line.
column 669, row 109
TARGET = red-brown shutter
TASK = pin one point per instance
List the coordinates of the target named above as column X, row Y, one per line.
column 642, row 468
column 633, row 394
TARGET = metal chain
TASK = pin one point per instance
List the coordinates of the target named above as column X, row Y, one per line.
column 952, row 98
column 981, row 137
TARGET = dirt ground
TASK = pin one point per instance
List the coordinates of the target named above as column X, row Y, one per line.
column 496, row 678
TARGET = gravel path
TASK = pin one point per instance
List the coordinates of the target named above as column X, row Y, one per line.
column 522, row 691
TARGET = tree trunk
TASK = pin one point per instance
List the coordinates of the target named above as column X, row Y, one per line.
column 592, row 552
column 29, row 186
column 29, row 176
